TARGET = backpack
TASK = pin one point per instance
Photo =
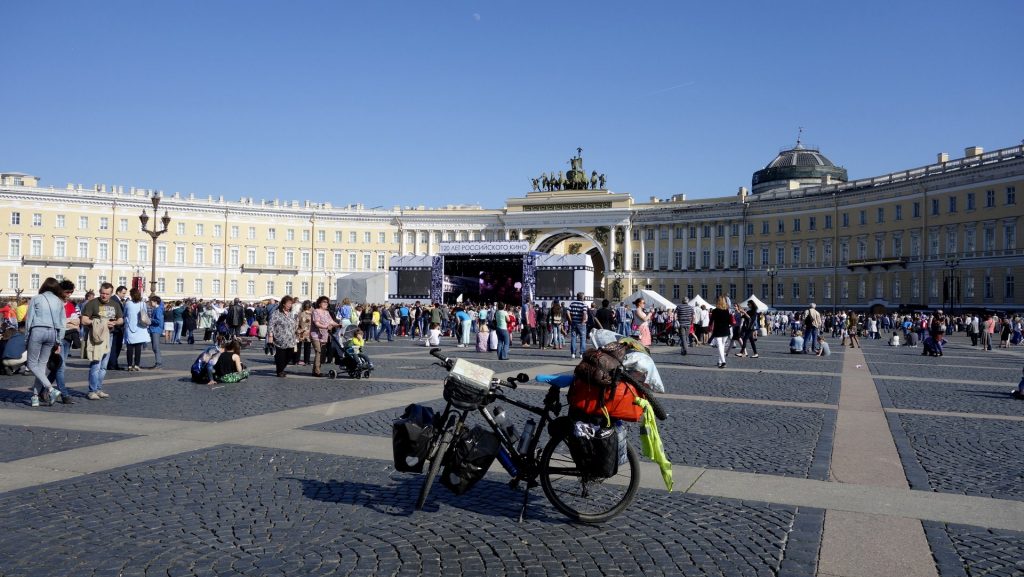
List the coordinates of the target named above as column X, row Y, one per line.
column 597, row 388
column 202, row 363
column 599, row 365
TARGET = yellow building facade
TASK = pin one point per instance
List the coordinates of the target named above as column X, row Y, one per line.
column 939, row 235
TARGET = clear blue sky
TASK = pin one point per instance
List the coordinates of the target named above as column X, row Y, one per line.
column 410, row 102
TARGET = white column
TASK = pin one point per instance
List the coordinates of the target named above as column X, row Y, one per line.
column 727, row 229
column 401, row 241
column 657, row 247
column 611, row 248
column 643, row 248
column 627, row 253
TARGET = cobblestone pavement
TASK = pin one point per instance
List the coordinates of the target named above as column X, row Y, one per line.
column 246, row 511
column 978, row 399
column 961, row 455
column 23, row 442
column 966, row 551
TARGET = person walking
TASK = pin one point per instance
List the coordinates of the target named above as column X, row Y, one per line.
column 643, row 322
column 99, row 316
column 853, row 328
column 135, row 334
column 117, row 334
column 748, row 331
column 282, row 334
column 45, row 321
column 684, row 320
column 323, row 324
column 71, row 336
column 721, row 326
column 577, row 327
column 156, row 324
column 812, row 328
column 504, row 339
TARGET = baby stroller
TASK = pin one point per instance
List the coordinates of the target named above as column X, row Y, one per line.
column 668, row 333
column 355, row 364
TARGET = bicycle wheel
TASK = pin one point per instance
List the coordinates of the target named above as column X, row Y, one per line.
column 435, row 456
column 580, row 497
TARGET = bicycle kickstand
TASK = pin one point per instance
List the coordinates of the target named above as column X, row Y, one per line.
column 526, row 501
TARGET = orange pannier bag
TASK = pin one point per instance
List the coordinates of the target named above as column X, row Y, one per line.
column 613, row 402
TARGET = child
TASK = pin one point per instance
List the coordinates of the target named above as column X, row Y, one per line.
column 433, row 338
column 481, row 338
column 895, row 340
column 824, row 351
column 357, row 344
column 1018, row 393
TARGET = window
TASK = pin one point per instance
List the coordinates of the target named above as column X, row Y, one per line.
column 321, row 235
column 397, row 237
column 636, row 234
column 233, row 287
column 337, row 260
column 844, row 252
column 706, row 231
column 827, row 254
column 289, row 258
column 250, row 287
column 846, row 219
column 382, row 237
column 828, row 222
column 161, row 254
column 271, row 235
column 122, row 251
column 750, row 228
column 720, row 231
column 862, row 249
column 764, row 227
column 693, row 232
column 179, row 254
column 810, row 290
column 161, row 285
column 990, row 198
column 250, row 256
column 271, row 257
column 215, row 286
column 675, row 292
column 732, row 291
column 103, row 251
column 234, row 234
column 199, row 255
column 796, row 256
column 197, row 286
column 897, row 247
column 677, row 260
column 735, row 229
column 289, row 287
column 812, row 223
column 270, row 287
column 15, row 247
column 218, row 230
column 780, row 226
column 705, row 259
column 780, row 290
column 880, row 217
column 899, row 212
column 380, row 262
column 1011, row 195
column 691, row 260
column 988, row 287
column 234, row 262
column 897, row 289
column 83, row 222
column 970, row 201
column 1009, row 238
column 989, row 240
column 305, row 235
column 352, row 236
column 218, row 256
column 764, row 256
column 764, row 289
column 649, row 261
column 60, row 247
column 952, row 204
column 36, row 247
column 252, row 233
column 879, row 247
column 179, row 285
column 305, row 260
column 60, row 221
column 14, row 283
column 863, row 217
column 321, row 260
column 734, row 259
column 352, row 261
column 37, row 219
column 290, row 235
column 811, row 255
column 796, row 291
column 181, row 228
column 650, row 234
column 366, row 237
column 104, row 223
column 749, row 263
column 935, row 207
column 33, row 281
column 780, row 256
column 796, row 225
column 719, row 259
column 305, row 288
column 1008, row 290
column 917, row 210
column 366, row 262
column 969, row 287
column 15, row 218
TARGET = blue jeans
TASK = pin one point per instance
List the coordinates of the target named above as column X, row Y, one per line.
column 811, row 339
column 40, row 344
column 97, row 372
column 176, row 338
column 466, row 325
column 503, row 344
column 577, row 330
column 389, row 328
column 624, row 328
column 154, row 341
column 58, row 376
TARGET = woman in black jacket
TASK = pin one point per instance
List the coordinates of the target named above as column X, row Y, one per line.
column 721, row 325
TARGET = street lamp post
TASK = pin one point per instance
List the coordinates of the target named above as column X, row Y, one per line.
column 772, row 272
column 154, row 234
column 952, row 283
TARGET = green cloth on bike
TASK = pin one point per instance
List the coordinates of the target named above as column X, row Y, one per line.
column 650, row 443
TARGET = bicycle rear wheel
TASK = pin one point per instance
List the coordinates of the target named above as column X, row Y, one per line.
column 435, row 456
column 580, row 497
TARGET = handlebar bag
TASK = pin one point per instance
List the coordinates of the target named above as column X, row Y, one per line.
column 410, row 438
column 468, row 459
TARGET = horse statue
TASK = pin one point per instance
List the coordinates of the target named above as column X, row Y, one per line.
column 593, row 180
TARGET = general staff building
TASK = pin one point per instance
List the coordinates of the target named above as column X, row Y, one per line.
column 933, row 236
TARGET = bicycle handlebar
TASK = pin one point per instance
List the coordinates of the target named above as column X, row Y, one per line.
column 449, row 363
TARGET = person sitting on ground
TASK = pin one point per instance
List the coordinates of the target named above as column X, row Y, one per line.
column 796, row 342
column 823, row 350
column 229, row 367
column 933, row 346
column 895, row 340
column 433, row 338
column 203, row 367
column 14, row 350
column 1018, row 393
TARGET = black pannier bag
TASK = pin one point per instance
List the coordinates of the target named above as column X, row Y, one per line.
column 410, row 438
column 597, row 455
column 469, row 459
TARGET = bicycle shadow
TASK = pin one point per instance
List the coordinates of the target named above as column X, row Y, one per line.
column 488, row 497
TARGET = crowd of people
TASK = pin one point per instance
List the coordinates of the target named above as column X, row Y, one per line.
column 114, row 321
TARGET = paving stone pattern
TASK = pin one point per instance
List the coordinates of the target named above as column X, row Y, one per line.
column 31, row 441
column 967, row 551
column 253, row 512
column 763, row 385
column 979, row 457
column 179, row 398
column 946, row 370
column 979, row 399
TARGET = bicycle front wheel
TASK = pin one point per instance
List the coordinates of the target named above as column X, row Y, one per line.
column 584, row 498
column 435, row 456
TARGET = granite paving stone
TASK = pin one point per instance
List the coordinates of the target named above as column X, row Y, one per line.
column 764, row 385
column 967, row 551
column 949, row 397
column 247, row 511
column 21, row 442
column 961, row 455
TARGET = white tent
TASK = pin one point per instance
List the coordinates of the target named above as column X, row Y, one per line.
column 652, row 299
column 761, row 307
column 697, row 302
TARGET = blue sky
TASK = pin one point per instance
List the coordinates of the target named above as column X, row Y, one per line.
column 412, row 102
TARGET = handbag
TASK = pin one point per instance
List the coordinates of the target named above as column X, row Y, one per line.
column 144, row 320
